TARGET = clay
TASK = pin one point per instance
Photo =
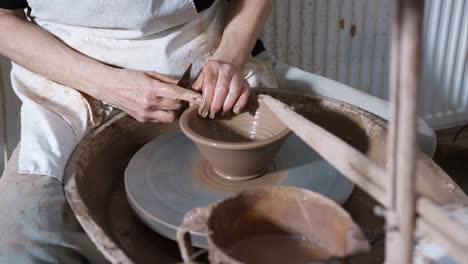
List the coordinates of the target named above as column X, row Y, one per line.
column 259, row 213
column 202, row 172
column 238, row 146
column 216, row 130
column 287, row 249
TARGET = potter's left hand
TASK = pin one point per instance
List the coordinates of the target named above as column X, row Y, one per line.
column 224, row 88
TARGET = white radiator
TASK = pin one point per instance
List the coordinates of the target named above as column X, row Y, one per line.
column 348, row 41
column 444, row 85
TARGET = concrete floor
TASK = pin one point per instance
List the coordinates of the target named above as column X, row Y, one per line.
column 452, row 155
column 446, row 136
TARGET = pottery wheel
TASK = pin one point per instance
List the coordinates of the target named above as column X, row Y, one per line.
column 168, row 177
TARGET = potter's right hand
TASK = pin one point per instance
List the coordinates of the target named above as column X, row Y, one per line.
column 146, row 96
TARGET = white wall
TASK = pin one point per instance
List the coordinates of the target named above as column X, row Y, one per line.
column 348, row 41
column 444, row 83
column 345, row 40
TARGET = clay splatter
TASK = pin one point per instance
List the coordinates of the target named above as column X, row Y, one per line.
column 353, row 30
column 341, row 23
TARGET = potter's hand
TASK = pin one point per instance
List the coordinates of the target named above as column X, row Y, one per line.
column 224, row 88
column 221, row 81
column 146, row 96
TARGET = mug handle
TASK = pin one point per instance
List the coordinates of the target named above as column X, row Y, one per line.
column 195, row 220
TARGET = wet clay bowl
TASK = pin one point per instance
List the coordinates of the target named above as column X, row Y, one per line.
column 239, row 147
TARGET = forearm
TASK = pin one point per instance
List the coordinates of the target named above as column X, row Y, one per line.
column 37, row 50
column 244, row 23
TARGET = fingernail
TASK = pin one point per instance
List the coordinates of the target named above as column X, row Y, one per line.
column 203, row 110
column 204, row 113
column 237, row 109
column 212, row 115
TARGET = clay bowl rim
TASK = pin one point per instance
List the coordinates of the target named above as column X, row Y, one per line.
column 194, row 136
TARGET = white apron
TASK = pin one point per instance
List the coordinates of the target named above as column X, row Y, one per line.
column 155, row 35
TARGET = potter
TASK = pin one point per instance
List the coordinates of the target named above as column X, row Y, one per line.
column 75, row 64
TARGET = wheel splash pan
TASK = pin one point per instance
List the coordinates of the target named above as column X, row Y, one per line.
column 94, row 176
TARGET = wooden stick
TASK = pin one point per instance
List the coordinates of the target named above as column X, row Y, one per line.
column 443, row 239
column 345, row 158
column 412, row 18
column 391, row 236
column 405, row 81
column 394, row 92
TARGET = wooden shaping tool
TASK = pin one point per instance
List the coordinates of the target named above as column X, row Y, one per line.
column 184, row 81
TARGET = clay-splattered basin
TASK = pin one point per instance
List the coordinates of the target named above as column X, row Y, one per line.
column 94, row 181
column 239, row 147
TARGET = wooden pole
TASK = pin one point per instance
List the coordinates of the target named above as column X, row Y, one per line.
column 391, row 235
column 345, row 158
column 405, row 70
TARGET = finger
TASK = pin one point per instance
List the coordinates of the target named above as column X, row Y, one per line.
column 178, row 93
column 133, row 114
column 242, row 101
column 235, row 90
column 197, row 85
column 220, row 92
column 166, row 104
column 162, row 77
column 208, row 86
column 161, row 116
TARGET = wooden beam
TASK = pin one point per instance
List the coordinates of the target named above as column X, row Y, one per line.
column 346, row 159
column 405, row 70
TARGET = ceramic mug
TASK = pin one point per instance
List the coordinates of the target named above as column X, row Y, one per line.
column 272, row 212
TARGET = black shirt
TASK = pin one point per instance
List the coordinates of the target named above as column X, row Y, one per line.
column 13, row 4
